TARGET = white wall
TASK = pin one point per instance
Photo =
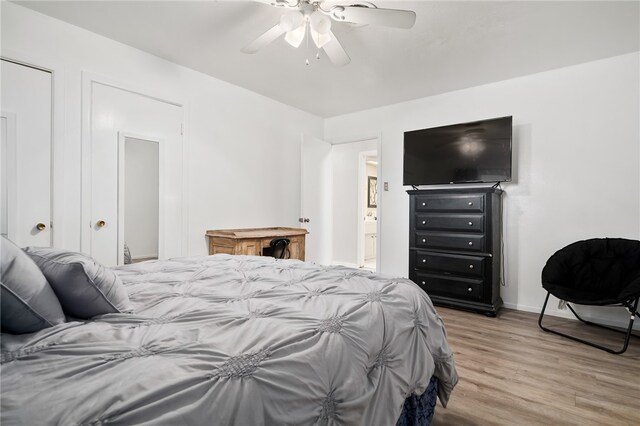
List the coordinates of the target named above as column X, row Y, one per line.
column 576, row 151
column 141, row 197
column 243, row 149
column 576, row 162
column 346, row 194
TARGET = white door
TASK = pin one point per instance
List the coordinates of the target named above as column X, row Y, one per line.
column 116, row 112
column 315, row 210
column 25, row 102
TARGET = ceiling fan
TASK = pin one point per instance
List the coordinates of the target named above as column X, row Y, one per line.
column 313, row 18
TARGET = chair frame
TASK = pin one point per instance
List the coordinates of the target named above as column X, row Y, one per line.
column 630, row 305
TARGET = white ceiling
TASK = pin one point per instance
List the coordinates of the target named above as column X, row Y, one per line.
column 453, row 45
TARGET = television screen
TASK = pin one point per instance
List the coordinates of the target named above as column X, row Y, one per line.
column 479, row 151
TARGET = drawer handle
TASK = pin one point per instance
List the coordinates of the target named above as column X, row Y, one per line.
column 470, row 243
column 470, row 223
column 424, row 282
column 424, row 260
column 470, row 203
column 424, row 222
column 424, row 204
column 424, row 240
column 470, row 266
column 469, row 289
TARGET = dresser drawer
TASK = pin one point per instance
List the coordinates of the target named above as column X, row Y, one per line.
column 442, row 203
column 449, row 263
column 438, row 240
column 451, row 222
column 439, row 285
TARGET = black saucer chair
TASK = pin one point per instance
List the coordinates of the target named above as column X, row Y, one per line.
column 598, row 272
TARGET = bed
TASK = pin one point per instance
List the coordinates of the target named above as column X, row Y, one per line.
column 236, row 340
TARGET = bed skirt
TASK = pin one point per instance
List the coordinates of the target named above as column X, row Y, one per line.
column 418, row 410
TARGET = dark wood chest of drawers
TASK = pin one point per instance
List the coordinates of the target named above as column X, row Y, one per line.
column 455, row 246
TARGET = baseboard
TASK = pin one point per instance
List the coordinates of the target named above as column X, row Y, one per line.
column 144, row 256
column 552, row 311
column 347, row 264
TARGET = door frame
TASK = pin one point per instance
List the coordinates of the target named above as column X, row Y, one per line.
column 11, row 171
column 362, row 188
column 122, row 137
column 57, row 191
column 88, row 80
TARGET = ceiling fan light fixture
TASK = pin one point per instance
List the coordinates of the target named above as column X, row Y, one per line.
column 291, row 20
column 312, row 19
column 320, row 23
column 295, row 37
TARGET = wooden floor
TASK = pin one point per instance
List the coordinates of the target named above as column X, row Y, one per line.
column 513, row 373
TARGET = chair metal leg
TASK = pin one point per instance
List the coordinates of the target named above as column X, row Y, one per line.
column 628, row 334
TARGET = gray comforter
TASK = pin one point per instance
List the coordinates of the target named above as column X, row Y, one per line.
column 234, row 340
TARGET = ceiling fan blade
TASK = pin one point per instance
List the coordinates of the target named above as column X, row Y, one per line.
column 278, row 3
column 336, row 52
column 364, row 15
column 263, row 40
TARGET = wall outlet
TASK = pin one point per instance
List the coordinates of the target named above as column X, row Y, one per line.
column 386, row 186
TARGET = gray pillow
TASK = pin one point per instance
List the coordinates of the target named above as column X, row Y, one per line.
column 27, row 302
column 84, row 287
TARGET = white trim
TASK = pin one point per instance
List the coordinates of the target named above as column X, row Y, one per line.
column 355, row 139
column 57, row 134
column 346, row 264
column 301, row 214
column 379, row 206
column 11, row 172
column 186, row 176
column 88, row 80
column 122, row 137
column 145, row 256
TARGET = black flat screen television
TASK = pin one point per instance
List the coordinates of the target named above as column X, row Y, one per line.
column 478, row 151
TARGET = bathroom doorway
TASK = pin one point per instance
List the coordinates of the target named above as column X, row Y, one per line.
column 368, row 210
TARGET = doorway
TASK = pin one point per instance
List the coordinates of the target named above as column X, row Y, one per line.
column 368, row 210
column 351, row 220
column 157, row 126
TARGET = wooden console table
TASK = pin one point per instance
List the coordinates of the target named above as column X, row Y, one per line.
column 255, row 241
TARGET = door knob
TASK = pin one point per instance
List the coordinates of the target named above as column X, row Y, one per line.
column 41, row 226
column 101, row 223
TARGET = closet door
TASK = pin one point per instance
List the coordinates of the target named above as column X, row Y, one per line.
column 25, row 154
column 118, row 115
